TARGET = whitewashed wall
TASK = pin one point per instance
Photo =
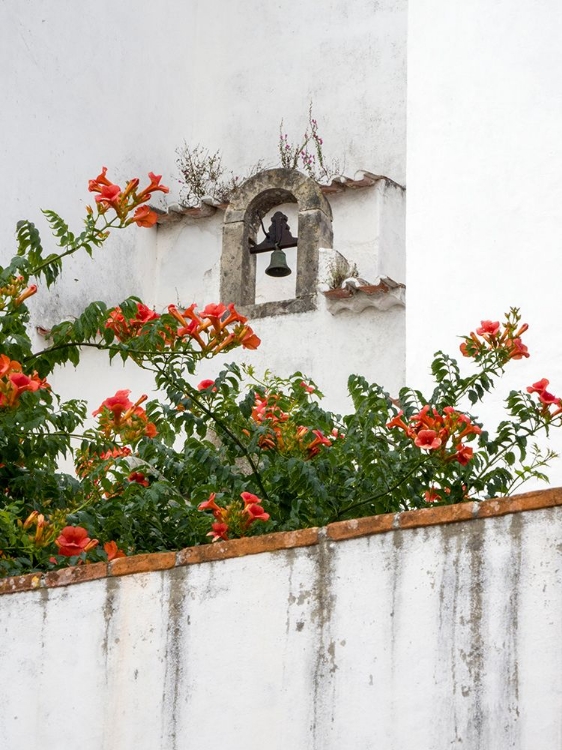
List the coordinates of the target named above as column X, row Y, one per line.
column 124, row 85
column 425, row 638
column 484, row 220
column 369, row 231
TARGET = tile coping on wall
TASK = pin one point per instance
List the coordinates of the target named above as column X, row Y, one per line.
column 335, row 532
column 208, row 206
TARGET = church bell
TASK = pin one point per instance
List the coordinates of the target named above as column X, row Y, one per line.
column 278, row 265
column 278, row 237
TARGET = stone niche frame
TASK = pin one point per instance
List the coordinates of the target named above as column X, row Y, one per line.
column 254, row 199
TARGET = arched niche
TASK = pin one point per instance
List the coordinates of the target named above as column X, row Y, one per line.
column 252, row 201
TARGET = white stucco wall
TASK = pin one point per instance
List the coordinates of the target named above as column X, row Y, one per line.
column 424, row 638
column 484, row 219
column 368, row 229
column 326, row 346
column 125, row 86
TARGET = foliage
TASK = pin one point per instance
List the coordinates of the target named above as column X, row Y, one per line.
column 203, row 174
column 236, row 455
column 339, row 270
column 308, row 153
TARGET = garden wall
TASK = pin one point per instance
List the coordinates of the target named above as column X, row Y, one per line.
column 428, row 629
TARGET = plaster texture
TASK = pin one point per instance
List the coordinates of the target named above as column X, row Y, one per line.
column 418, row 638
column 188, row 264
column 125, row 86
column 484, row 192
column 368, row 229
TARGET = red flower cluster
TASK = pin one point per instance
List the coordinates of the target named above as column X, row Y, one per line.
column 267, row 410
column 74, row 540
column 13, row 382
column 217, row 328
column 16, row 292
column 491, row 336
column 109, row 195
column 204, row 385
column 120, row 416
column 125, row 329
column 88, row 459
column 44, row 531
column 118, row 452
column 139, row 478
column 432, row 495
column 547, row 399
column 234, row 518
column 285, row 435
column 112, row 551
column 432, row 431
column 319, row 439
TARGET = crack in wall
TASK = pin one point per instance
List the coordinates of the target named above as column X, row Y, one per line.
column 323, row 680
column 109, row 609
column 395, row 573
column 510, row 650
column 174, row 676
column 473, row 659
column 448, row 603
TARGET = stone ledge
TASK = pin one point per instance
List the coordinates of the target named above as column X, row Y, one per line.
column 436, row 516
column 27, row 582
column 208, row 206
column 248, row 546
column 362, row 526
column 75, row 574
column 281, row 307
column 338, row 531
column 357, row 295
column 124, row 566
column 526, row 501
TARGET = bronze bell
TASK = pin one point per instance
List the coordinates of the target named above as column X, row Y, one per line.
column 278, row 265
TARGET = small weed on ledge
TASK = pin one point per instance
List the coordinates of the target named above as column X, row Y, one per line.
column 203, row 173
column 339, row 270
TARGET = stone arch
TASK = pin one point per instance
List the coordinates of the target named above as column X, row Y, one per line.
column 255, row 198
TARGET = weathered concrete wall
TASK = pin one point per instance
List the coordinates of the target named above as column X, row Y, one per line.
column 428, row 637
